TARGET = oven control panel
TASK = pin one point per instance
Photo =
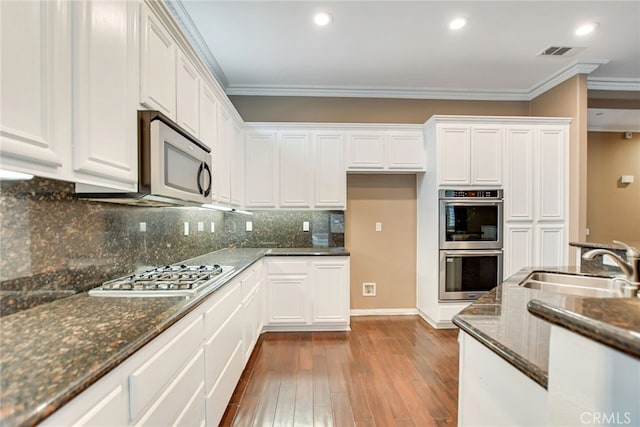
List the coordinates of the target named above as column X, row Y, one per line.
column 471, row 194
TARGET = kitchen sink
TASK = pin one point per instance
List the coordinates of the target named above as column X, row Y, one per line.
column 572, row 284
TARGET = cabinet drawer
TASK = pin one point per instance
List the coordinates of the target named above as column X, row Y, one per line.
column 178, row 401
column 154, row 374
column 287, row 267
column 219, row 312
column 219, row 348
column 218, row 398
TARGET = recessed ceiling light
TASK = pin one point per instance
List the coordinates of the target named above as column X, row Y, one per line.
column 321, row 19
column 457, row 23
column 585, row 29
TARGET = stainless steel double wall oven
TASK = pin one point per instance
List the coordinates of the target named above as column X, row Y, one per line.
column 471, row 233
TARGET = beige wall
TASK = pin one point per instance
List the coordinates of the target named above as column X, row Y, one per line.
column 613, row 209
column 387, row 258
column 569, row 99
column 365, row 110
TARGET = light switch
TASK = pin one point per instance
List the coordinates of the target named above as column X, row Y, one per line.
column 249, row 226
column 305, row 225
column 378, row 226
column 186, row 228
column 213, row 227
column 200, row 226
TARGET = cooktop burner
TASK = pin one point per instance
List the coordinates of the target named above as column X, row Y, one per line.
column 169, row 280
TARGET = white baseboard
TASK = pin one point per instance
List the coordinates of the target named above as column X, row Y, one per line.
column 384, row 311
column 434, row 324
column 306, row 328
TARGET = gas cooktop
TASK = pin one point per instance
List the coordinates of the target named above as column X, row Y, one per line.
column 169, row 280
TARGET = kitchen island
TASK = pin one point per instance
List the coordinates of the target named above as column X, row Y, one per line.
column 513, row 367
column 54, row 352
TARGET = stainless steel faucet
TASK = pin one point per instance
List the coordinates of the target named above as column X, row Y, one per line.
column 630, row 267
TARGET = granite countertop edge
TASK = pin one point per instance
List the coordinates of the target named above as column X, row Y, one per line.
column 612, row 336
column 40, row 410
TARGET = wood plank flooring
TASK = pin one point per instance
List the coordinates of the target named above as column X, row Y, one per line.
column 388, row 371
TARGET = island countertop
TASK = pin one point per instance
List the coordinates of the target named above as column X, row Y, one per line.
column 53, row 352
column 503, row 322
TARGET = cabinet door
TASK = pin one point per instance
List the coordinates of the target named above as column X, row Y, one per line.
column 209, row 129
column 518, row 248
column 454, row 145
column 330, row 174
column 286, row 299
column 519, row 163
column 366, row 150
column 552, row 159
column 330, row 292
column 486, row 155
column 157, row 65
column 261, row 170
column 222, row 177
column 551, row 244
column 237, row 166
column 188, row 94
column 296, row 170
column 105, row 132
column 405, row 151
column 35, row 123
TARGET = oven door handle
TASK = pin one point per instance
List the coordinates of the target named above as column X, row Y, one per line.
column 459, row 202
column 478, row 252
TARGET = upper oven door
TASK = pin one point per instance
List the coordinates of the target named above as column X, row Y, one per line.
column 179, row 168
column 471, row 224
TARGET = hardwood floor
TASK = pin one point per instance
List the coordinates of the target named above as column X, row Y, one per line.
column 388, row 371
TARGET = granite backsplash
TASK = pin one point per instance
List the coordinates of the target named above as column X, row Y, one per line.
column 53, row 245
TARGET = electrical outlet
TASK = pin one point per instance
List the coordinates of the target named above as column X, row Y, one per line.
column 368, row 289
column 186, row 228
column 378, row 226
column 143, row 227
column 200, row 226
column 305, row 225
column 249, row 226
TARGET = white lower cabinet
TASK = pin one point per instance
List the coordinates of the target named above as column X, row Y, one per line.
column 307, row 294
column 493, row 393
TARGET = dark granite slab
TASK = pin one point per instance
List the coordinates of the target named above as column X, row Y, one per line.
column 501, row 321
column 54, row 351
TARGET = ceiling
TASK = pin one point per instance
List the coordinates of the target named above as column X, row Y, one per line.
column 406, row 50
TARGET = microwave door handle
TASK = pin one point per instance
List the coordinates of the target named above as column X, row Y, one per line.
column 199, row 178
column 207, row 190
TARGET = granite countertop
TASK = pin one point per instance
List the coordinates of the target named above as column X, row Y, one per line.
column 502, row 321
column 53, row 352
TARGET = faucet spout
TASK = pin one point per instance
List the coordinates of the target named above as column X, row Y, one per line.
column 630, row 267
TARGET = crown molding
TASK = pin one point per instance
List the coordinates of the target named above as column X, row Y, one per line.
column 603, row 83
column 578, row 67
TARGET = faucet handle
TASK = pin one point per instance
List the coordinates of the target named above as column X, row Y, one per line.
column 631, row 251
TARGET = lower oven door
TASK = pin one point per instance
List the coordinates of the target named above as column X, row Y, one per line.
column 466, row 275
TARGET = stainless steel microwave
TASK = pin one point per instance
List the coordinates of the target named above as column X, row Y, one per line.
column 174, row 167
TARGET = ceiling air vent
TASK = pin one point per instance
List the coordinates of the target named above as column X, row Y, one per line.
column 556, row 51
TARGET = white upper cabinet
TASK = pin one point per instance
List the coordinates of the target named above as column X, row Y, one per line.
column 296, row 169
column 552, row 154
column 470, row 155
column 237, row 166
column 188, row 94
column 157, row 66
column 209, row 128
column 405, row 151
column 330, row 187
column 35, row 122
column 222, row 175
column 105, row 136
column 366, row 150
column 519, row 179
column 261, row 175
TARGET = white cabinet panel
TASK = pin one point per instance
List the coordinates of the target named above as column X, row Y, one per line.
column 330, row 175
column 518, row 248
column 157, row 66
column 551, row 167
column 220, row 347
column 237, row 166
column 109, row 411
column 209, row 129
column 286, row 299
column 188, row 94
column 296, row 170
column 261, row 170
column 330, row 292
column 486, row 155
column 105, row 133
column 455, row 155
column 551, row 245
column 219, row 396
column 405, row 150
column 366, row 150
column 35, row 123
column 519, row 196
column 223, row 175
